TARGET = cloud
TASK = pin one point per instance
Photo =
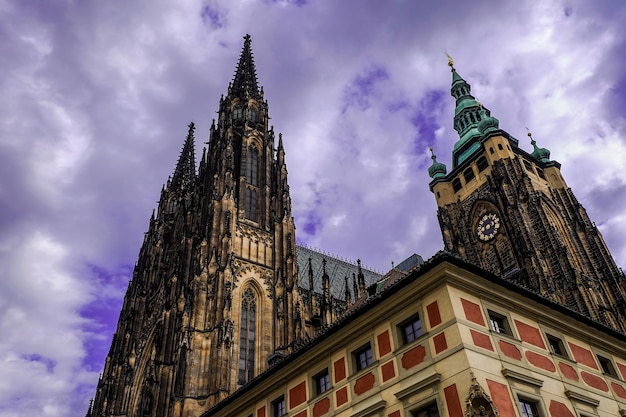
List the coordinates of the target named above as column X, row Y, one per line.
column 97, row 97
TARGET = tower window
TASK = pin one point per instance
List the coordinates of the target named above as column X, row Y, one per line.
column 247, row 337
column 482, row 164
column 468, row 174
column 528, row 166
column 252, row 114
column 252, row 173
column 491, row 150
column 251, row 204
column 500, row 146
column 363, row 357
column 456, row 184
column 237, row 113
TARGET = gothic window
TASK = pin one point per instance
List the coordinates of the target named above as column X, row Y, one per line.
column 252, row 114
column 251, row 203
column 252, row 173
column 247, row 336
column 237, row 113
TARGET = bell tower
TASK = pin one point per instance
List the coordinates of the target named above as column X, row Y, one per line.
column 511, row 212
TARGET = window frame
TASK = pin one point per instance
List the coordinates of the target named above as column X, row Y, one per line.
column 495, row 316
column 279, row 405
column 534, row 404
column 551, row 338
column 369, row 359
column 471, row 176
column 322, row 382
column 609, row 369
column 426, row 408
column 457, row 185
column 482, row 163
column 404, row 325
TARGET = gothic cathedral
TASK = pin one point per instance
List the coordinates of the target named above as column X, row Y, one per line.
column 214, row 299
column 511, row 213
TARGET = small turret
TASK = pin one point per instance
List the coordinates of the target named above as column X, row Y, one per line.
column 437, row 169
column 541, row 154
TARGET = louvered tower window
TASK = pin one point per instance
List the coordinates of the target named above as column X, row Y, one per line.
column 252, row 190
column 247, row 337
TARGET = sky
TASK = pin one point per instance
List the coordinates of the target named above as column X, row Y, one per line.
column 96, row 97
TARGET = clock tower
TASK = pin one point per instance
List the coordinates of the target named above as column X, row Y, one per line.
column 511, row 212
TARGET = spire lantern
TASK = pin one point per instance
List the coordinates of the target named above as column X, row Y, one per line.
column 437, row 169
column 542, row 154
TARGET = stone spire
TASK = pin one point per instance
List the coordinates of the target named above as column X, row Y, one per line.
column 245, row 80
column 185, row 171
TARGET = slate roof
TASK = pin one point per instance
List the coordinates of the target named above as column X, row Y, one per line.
column 336, row 268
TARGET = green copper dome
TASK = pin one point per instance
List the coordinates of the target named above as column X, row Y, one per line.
column 437, row 169
column 487, row 122
column 542, row 154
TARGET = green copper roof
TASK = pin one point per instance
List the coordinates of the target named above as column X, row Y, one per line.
column 541, row 154
column 437, row 169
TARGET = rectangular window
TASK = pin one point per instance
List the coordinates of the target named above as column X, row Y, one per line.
column 278, row 407
column 428, row 411
column 411, row 329
column 363, row 357
column 456, row 184
column 468, row 174
column 528, row 408
column 556, row 345
column 322, row 382
column 482, row 164
column 499, row 323
column 607, row 366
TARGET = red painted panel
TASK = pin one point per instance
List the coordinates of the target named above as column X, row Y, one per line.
column 394, row 414
column 440, row 342
column 321, row 407
column 583, row 355
column 388, row 370
column 510, row 350
column 384, row 343
column 501, row 398
column 472, row 312
column 341, row 396
column 260, row 412
column 540, row 361
column 529, row 334
column 297, row 395
column 618, row 390
column 452, row 401
column 558, row 409
column 481, row 340
column 434, row 317
column 568, row 371
column 364, row 383
column 340, row 369
column 413, row 357
column 594, row 381
column 301, row 414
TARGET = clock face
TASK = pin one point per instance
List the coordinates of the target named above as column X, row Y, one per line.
column 488, row 227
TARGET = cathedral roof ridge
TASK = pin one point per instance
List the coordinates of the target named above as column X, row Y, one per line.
column 339, row 258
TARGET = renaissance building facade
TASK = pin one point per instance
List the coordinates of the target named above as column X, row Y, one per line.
column 522, row 313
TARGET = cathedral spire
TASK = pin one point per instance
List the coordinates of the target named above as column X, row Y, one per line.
column 245, row 81
column 185, row 171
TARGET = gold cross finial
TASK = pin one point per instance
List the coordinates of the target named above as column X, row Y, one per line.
column 450, row 60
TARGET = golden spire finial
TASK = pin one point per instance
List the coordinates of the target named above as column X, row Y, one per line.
column 530, row 135
column 450, row 60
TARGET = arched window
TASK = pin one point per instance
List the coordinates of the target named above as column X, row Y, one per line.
column 237, row 113
column 251, row 203
column 252, row 173
column 247, row 336
column 252, row 114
